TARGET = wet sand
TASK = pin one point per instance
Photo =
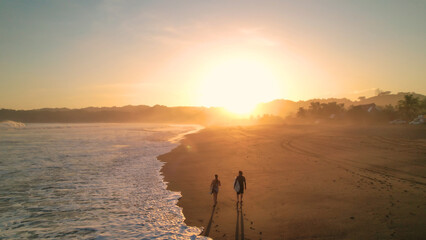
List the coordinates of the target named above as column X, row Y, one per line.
column 304, row 182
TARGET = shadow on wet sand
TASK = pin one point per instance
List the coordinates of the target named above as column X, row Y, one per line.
column 206, row 231
column 239, row 229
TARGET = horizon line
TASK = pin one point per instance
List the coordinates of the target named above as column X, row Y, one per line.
column 200, row 106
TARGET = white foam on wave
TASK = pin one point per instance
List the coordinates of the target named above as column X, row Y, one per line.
column 11, row 125
column 98, row 181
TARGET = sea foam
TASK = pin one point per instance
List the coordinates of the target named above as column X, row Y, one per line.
column 11, row 125
column 88, row 181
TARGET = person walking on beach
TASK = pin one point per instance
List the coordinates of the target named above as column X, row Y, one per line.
column 239, row 186
column 214, row 186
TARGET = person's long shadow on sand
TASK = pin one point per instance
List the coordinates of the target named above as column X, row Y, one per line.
column 240, row 223
column 206, row 231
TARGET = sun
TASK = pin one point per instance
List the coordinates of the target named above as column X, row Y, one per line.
column 238, row 85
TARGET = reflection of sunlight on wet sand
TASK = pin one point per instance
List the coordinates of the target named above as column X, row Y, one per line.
column 182, row 135
column 120, row 146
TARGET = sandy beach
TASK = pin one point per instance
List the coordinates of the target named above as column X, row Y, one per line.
column 304, row 182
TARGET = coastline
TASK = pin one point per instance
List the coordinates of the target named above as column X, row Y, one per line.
column 342, row 182
column 181, row 136
column 176, row 140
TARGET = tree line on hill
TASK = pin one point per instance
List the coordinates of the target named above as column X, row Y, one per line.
column 402, row 107
column 406, row 109
column 284, row 108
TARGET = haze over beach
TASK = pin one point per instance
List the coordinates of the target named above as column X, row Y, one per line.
column 115, row 117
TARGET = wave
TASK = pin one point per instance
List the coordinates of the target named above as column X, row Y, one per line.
column 89, row 181
column 11, row 125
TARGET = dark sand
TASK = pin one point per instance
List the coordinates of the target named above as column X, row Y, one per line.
column 304, row 182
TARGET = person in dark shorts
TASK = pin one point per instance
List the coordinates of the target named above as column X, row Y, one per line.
column 241, row 180
column 214, row 186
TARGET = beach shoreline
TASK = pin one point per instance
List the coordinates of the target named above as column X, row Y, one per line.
column 323, row 182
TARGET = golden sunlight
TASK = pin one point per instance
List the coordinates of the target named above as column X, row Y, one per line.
column 239, row 85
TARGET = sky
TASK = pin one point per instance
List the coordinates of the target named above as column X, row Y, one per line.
column 213, row 53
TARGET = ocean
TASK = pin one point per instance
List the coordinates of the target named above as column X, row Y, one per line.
column 88, row 181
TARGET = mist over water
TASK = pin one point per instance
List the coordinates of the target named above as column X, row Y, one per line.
column 88, row 181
